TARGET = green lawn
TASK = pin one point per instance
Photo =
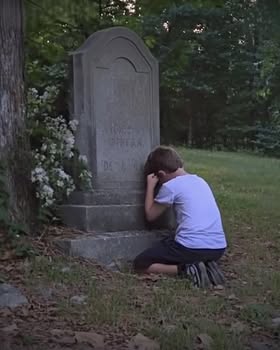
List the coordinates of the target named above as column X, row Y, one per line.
column 247, row 189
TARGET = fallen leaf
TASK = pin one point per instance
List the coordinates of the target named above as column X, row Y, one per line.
column 170, row 328
column 24, row 312
column 232, row 297
column 140, row 342
column 66, row 269
column 9, row 329
column 52, row 310
column 219, row 287
column 9, row 268
column 6, row 313
column 8, row 255
column 92, row 338
column 152, row 278
column 205, row 341
column 83, row 346
column 238, row 306
column 238, row 327
column 276, row 322
column 57, row 332
column 67, row 340
column 255, row 345
column 78, row 299
column 6, row 343
column 219, row 293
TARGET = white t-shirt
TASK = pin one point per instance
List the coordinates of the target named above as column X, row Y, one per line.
column 199, row 224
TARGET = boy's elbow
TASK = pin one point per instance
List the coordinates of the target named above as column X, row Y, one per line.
column 154, row 212
column 149, row 217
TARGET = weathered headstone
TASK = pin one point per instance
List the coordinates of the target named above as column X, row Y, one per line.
column 116, row 101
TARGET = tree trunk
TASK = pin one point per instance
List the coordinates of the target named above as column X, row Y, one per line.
column 190, row 131
column 14, row 150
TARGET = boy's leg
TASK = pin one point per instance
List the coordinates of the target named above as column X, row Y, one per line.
column 169, row 257
column 162, row 269
column 158, row 259
column 197, row 273
column 208, row 268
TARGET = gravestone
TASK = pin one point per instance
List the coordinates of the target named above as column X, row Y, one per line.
column 116, row 101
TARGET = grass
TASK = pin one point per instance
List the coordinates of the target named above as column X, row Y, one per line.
column 247, row 189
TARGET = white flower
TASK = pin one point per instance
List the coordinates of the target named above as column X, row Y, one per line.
column 70, row 155
column 69, row 142
column 69, row 190
column 49, row 176
column 48, row 202
column 83, row 159
column 39, row 171
column 69, row 139
column 38, row 174
column 62, row 174
column 85, row 174
column 53, row 148
column 73, row 124
column 48, row 191
column 60, row 183
column 45, row 96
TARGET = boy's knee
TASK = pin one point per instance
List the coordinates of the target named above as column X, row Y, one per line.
column 140, row 263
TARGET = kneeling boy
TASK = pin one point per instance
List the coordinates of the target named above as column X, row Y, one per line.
column 199, row 240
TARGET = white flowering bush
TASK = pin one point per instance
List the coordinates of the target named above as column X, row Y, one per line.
column 58, row 168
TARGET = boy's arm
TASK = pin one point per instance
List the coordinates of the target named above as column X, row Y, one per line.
column 152, row 209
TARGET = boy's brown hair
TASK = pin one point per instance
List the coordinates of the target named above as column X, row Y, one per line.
column 163, row 158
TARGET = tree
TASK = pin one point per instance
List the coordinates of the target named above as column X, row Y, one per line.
column 219, row 66
column 13, row 139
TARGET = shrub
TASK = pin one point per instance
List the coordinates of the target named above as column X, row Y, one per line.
column 58, row 168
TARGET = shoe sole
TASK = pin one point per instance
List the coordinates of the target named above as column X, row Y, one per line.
column 204, row 279
column 194, row 275
column 215, row 274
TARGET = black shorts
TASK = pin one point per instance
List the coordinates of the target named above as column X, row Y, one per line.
column 170, row 252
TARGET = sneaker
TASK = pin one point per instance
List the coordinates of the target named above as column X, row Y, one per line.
column 215, row 274
column 198, row 275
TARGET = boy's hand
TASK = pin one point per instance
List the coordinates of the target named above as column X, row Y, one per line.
column 152, row 180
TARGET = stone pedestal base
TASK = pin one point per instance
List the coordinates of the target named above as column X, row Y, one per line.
column 114, row 225
column 111, row 247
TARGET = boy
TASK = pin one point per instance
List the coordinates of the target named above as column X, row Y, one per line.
column 199, row 240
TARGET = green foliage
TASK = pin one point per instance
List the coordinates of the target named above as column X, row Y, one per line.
column 219, row 66
column 58, row 168
column 219, row 72
column 268, row 140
